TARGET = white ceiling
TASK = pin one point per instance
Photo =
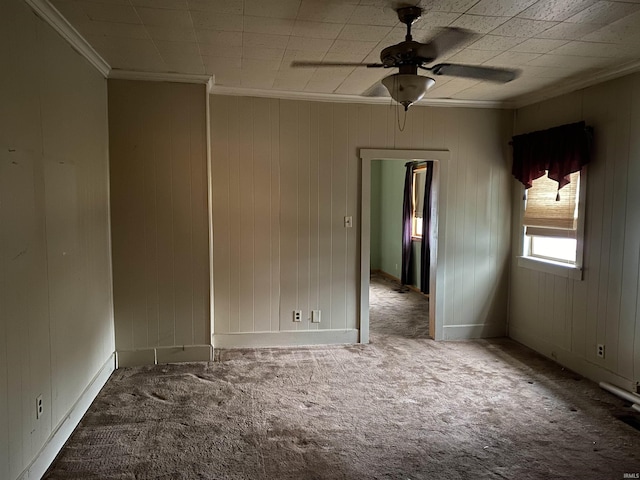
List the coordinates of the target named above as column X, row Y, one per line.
column 250, row 44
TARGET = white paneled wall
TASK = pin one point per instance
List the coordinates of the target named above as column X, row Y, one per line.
column 286, row 173
column 566, row 319
column 158, row 166
column 56, row 319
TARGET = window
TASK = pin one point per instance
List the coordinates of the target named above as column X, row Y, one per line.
column 417, row 205
column 553, row 225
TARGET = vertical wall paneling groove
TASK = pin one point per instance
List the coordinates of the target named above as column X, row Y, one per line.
column 262, row 221
column 314, row 209
column 163, row 154
column 245, row 215
column 182, row 219
column 220, row 198
column 310, row 259
column 201, row 236
column 276, row 216
column 325, row 172
column 303, row 214
column 159, row 202
column 288, row 215
column 564, row 318
column 235, row 223
column 339, row 184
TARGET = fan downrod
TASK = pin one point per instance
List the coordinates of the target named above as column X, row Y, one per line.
column 409, row 15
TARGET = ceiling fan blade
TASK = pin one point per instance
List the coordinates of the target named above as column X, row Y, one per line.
column 376, row 90
column 491, row 74
column 297, row 63
column 447, row 39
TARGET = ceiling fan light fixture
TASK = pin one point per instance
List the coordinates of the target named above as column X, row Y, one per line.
column 407, row 89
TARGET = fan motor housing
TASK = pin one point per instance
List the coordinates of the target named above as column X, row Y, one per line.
column 405, row 53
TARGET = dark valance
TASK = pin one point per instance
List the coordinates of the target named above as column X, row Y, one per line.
column 561, row 150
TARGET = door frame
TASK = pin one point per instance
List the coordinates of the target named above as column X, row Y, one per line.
column 367, row 155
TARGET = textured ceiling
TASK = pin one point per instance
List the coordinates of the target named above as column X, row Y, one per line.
column 251, row 43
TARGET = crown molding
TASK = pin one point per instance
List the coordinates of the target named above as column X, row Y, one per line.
column 578, row 84
column 340, row 98
column 162, row 77
column 54, row 18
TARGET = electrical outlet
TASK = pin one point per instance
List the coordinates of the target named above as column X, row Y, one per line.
column 315, row 316
column 600, row 350
column 297, row 315
column 39, row 407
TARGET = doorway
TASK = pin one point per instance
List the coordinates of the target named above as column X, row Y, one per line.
column 397, row 304
column 367, row 156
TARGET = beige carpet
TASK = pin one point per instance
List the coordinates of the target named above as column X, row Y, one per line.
column 400, row 408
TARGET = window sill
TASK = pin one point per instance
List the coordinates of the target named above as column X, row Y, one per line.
column 416, row 239
column 548, row 266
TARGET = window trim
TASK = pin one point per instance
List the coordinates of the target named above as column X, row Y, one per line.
column 572, row 271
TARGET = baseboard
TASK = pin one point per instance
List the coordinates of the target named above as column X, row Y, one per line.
column 156, row 355
column 285, row 339
column 61, row 434
column 468, row 332
column 570, row 360
column 191, row 353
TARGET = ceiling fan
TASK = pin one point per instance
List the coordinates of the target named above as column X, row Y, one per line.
column 407, row 87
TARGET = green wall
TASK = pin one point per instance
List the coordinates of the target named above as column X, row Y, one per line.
column 387, row 185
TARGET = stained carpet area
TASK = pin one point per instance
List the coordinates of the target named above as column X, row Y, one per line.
column 404, row 407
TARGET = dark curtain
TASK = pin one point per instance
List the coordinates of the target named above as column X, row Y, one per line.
column 405, row 277
column 425, row 248
column 561, row 150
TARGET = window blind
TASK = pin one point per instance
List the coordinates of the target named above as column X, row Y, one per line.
column 545, row 215
column 419, row 177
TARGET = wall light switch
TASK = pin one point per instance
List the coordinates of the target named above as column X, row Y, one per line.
column 315, row 316
column 348, row 222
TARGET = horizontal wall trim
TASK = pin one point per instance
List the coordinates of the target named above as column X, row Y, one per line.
column 343, row 98
column 285, row 338
column 118, row 74
column 570, row 360
column 468, row 332
column 61, row 434
column 157, row 355
column 396, row 154
column 54, row 18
